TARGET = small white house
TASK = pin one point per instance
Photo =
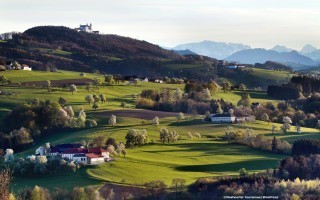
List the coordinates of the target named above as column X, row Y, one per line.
column 26, row 68
column 233, row 67
column 223, row 118
column 41, row 151
column 144, row 79
column 9, row 65
column 158, row 81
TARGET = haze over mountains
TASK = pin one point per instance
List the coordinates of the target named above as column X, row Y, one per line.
column 307, row 56
column 281, row 48
column 252, row 56
column 218, row 50
column 311, row 52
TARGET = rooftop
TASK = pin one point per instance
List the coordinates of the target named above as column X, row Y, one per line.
column 93, row 155
column 81, row 155
column 94, row 150
column 75, row 150
column 223, row 115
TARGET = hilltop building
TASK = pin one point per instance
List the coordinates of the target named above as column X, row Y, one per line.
column 86, row 28
column 7, row 36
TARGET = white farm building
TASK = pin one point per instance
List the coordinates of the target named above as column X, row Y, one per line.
column 223, row 118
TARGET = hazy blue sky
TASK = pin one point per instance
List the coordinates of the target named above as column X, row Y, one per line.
column 259, row 23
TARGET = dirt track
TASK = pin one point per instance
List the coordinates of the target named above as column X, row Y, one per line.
column 141, row 114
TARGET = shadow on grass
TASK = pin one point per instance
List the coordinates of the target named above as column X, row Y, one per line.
column 65, row 180
column 254, row 94
column 8, row 105
column 223, row 167
column 209, row 149
column 127, row 101
column 196, row 122
column 292, row 137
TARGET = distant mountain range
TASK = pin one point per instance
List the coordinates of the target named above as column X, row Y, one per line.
column 307, row 56
column 252, row 56
column 281, row 49
column 218, row 50
column 308, row 49
column 311, row 52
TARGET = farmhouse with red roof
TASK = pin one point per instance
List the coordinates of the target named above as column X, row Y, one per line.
column 76, row 153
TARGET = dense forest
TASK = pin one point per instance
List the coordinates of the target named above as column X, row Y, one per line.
column 306, row 84
column 298, row 86
column 283, row 92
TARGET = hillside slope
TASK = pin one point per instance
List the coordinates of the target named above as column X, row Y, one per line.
column 48, row 47
column 56, row 46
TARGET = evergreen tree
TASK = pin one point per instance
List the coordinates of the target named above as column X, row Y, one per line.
column 274, row 144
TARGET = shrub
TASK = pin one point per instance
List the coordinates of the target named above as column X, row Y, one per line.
column 2, row 68
column 304, row 167
column 243, row 172
column 145, row 103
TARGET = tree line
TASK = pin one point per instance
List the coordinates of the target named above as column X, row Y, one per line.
column 35, row 119
column 298, row 86
column 306, row 84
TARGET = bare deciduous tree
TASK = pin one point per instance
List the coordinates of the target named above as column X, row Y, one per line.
column 5, row 182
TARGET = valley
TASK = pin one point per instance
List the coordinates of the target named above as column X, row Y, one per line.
column 208, row 156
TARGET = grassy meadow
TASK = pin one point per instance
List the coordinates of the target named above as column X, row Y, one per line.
column 188, row 158
column 19, row 76
column 209, row 156
column 261, row 77
column 115, row 93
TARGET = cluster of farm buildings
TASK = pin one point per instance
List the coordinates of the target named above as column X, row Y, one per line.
column 75, row 152
column 230, row 117
column 140, row 78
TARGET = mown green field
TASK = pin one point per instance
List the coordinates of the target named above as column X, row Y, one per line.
column 270, row 74
column 18, row 76
column 191, row 159
column 115, row 93
column 261, row 77
column 188, row 159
